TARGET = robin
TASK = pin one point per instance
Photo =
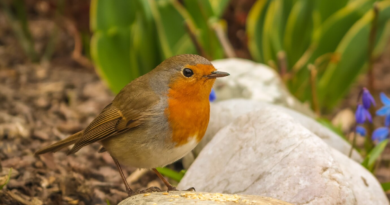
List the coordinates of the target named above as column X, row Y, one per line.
column 154, row 120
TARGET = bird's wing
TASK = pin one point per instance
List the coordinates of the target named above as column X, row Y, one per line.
column 128, row 110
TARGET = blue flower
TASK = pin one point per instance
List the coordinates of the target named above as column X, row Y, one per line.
column 361, row 131
column 362, row 115
column 387, row 121
column 367, row 99
column 212, row 96
column 380, row 134
column 385, row 110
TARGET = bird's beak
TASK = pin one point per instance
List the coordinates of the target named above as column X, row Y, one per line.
column 217, row 74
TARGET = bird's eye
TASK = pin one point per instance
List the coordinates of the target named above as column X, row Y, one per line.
column 188, row 72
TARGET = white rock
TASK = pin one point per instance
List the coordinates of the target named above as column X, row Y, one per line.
column 268, row 153
column 198, row 198
column 224, row 112
column 254, row 81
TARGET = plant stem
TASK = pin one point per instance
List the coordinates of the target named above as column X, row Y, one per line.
column 282, row 62
column 371, row 79
column 195, row 41
column 313, row 86
column 303, row 60
column 353, row 140
column 227, row 47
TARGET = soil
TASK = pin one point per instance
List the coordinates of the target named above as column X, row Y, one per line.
column 41, row 103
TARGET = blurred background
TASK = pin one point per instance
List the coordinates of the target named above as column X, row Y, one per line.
column 62, row 61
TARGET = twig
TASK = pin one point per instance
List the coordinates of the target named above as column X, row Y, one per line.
column 353, row 141
column 303, row 60
column 282, row 62
column 227, row 47
column 78, row 45
column 313, row 86
column 195, row 41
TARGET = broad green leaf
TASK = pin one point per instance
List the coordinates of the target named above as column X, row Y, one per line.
column 274, row 25
column 329, row 35
column 352, row 55
column 108, row 14
column 111, row 53
column 326, row 39
column 326, row 8
column 298, row 30
column 255, row 28
column 370, row 159
column 203, row 15
column 144, row 52
column 170, row 27
column 219, row 7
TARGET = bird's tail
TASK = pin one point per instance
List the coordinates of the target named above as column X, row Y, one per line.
column 61, row 144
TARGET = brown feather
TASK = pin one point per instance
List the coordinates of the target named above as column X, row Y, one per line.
column 130, row 108
column 61, row 144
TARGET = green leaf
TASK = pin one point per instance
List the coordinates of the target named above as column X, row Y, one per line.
column 170, row 27
column 298, row 32
column 370, row 159
column 274, row 26
column 326, row 8
column 255, row 28
column 202, row 14
column 330, row 34
column 107, row 14
column 218, row 6
column 352, row 56
column 8, row 178
column 325, row 40
column 177, row 176
column 386, row 186
column 111, row 53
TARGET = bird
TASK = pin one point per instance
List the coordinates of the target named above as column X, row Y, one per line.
column 154, row 120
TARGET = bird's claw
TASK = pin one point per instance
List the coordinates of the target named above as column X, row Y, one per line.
column 174, row 189
column 148, row 190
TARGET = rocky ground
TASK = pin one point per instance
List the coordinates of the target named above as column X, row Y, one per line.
column 41, row 103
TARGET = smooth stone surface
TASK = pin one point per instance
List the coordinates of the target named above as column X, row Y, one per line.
column 254, row 81
column 224, row 112
column 269, row 153
column 183, row 197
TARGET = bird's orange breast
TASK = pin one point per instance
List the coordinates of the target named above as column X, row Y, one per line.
column 188, row 110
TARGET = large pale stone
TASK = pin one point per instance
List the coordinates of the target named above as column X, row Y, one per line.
column 269, row 153
column 199, row 198
column 224, row 112
column 254, row 81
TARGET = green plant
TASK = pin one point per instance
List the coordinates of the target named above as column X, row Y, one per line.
column 177, row 176
column 6, row 182
column 132, row 37
column 370, row 159
column 331, row 36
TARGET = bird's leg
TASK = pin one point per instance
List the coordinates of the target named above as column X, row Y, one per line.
column 118, row 166
column 170, row 187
